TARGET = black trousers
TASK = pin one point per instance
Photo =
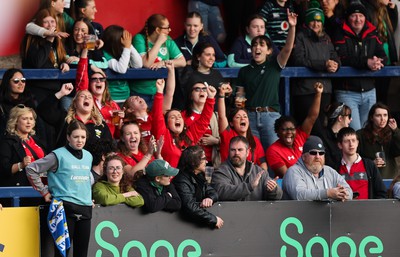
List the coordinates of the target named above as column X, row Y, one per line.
column 79, row 226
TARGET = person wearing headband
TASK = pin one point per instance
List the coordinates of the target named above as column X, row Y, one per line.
column 339, row 116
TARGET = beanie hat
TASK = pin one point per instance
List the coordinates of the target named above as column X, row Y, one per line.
column 356, row 6
column 313, row 143
column 314, row 13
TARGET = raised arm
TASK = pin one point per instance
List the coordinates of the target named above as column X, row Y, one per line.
column 284, row 54
column 82, row 77
column 313, row 112
column 222, row 119
column 170, row 86
column 121, row 65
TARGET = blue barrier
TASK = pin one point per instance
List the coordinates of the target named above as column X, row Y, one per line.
column 18, row 192
column 287, row 74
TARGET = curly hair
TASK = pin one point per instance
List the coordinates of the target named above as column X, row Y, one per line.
column 125, row 183
column 190, row 158
column 15, row 113
column 95, row 115
column 282, row 120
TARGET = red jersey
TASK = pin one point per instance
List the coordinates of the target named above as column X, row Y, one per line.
column 133, row 159
column 226, row 137
column 189, row 121
column 82, row 83
column 356, row 176
column 278, row 154
column 170, row 151
column 145, row 126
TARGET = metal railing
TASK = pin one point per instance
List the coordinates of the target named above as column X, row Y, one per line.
column 286, row 74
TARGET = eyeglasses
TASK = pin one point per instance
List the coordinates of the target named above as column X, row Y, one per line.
column 165, row 27
column 97, row 79
column 22, row 80
column 200, row 89
column 116, row 168
column 349, row 115
column 314, row 152
column 21, row 106
column 288, row 129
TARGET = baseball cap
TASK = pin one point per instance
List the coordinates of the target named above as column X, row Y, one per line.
column 159, row 168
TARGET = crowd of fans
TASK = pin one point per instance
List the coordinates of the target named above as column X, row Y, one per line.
column 195, row 138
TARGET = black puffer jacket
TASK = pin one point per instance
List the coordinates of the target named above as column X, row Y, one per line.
column 355, row 50
column 193, row 189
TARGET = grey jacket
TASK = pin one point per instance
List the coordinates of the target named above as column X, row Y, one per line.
column 232, row 187
column 300, row 184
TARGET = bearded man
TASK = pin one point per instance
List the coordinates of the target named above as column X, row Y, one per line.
column 310, row 179
column 240, row 180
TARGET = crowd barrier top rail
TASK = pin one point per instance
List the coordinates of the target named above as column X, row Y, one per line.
column 28, row 192
column 286, row 74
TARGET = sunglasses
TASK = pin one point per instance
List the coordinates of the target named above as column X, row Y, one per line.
column 97, row 79
column 200, row 89
column 314, row 152
column 16, row 81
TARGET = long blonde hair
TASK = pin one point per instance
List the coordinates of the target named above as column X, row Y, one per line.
column 16, row 112
column 95, row 115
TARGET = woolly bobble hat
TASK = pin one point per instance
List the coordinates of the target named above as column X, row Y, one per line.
column 313, row 143
column 356, row 7
column 314, row 13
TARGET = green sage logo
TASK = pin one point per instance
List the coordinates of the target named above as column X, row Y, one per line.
column 140, row 246
column 376, row 249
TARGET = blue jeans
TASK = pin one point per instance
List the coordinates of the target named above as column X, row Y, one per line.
column 360, row 104
column 212, row 19
column 262, row 126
